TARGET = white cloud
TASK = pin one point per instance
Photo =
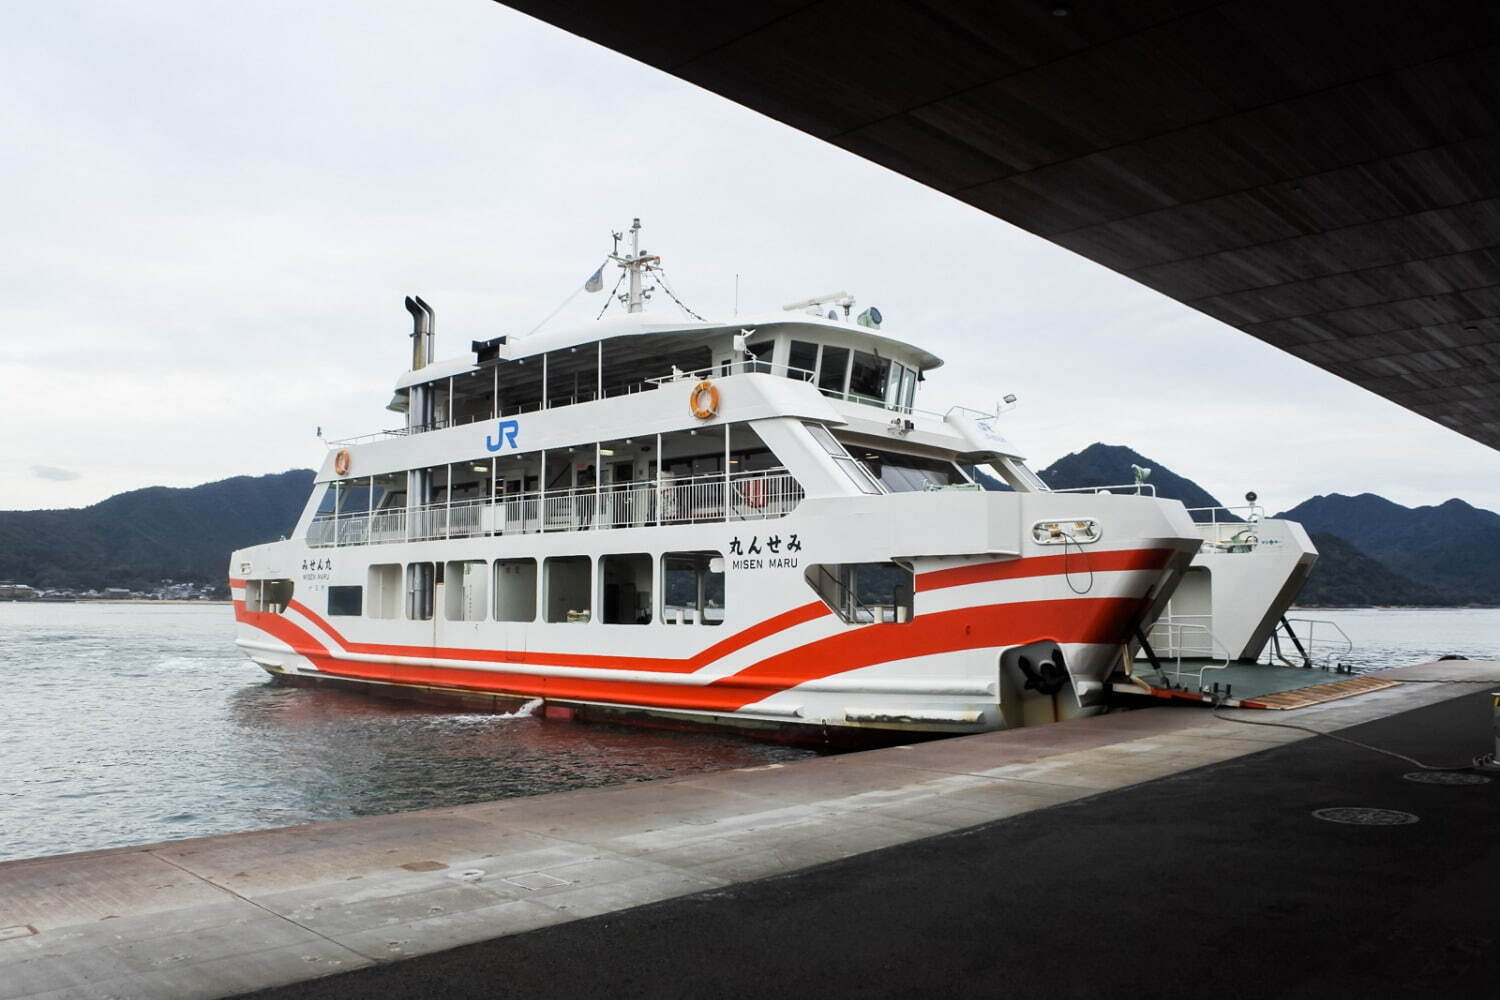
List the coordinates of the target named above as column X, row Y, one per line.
column 214, row 209
column 53, row 473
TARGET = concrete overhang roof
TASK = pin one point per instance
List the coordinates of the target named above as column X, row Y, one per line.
column 1325, row 177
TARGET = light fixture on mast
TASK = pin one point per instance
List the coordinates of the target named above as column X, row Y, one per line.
column 636, row 263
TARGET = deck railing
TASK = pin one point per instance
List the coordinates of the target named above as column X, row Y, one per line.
column 743, row 496
column 1225, row 535
column 1138, row 489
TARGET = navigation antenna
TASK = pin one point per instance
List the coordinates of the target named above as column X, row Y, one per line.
column 636, row 263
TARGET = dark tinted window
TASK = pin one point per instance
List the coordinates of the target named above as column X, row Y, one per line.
column 909, row 473
column 831, row 375
column 761, row 355
column 346, row 600
column 804, row 356
column 868, row 377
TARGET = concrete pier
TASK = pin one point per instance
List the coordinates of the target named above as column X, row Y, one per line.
column 223, row 915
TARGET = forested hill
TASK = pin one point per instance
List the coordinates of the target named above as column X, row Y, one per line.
column 139, row 538
column 1453, row 548
column 1373, row 551
column 1345, row 577
column 1110, row 465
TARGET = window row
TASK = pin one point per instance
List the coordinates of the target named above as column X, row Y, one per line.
column 851, row 374
column 617, row 589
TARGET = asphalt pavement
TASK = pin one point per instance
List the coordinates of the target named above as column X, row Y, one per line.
column 1217, row 882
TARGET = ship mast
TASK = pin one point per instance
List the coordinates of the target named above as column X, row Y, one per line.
column 636, row 264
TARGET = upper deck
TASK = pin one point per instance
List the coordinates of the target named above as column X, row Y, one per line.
column 635, row 353
column 600, row 425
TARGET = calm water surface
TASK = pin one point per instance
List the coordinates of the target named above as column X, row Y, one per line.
column 129, row 723
column 132, row 723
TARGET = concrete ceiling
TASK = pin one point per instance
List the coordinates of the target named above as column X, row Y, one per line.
column 1323, row 176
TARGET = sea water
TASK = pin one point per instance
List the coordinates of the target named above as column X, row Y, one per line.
column 132, row 723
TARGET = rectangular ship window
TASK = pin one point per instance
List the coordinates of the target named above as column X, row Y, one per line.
column 627, row 589
column 833, row 369
column 569, row 584
column 515, row 590
column 802, row 361
column 384, row 583
column 692, row 588
column 465, row 593
column 419, row 584
column 857, row 473
column 268, row 595
column 865, row 593
column 346, row 600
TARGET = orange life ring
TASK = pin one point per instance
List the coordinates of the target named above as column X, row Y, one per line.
column 341, row 463
column 700, row 411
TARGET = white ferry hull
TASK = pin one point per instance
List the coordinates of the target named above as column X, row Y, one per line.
column 782, row 663
column 1230, row 601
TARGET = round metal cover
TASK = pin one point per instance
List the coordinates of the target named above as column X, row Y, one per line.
column 1365, row 816
column 1446, row 778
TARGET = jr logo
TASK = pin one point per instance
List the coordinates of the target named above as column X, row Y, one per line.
column 504, row 436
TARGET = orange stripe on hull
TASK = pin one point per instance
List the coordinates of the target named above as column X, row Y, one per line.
column 1073, row 564
column 1100, row 562
column 1081, row 620
column 603, row 661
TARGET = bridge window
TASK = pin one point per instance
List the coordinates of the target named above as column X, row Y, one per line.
column 832, row 370
column 692, row 588
column 627, row 589
column 346, row 600
column 515, row 590
column 384, row 583
column 760, row 356
column 867, row 378
column 802, row 361
column 569, row 585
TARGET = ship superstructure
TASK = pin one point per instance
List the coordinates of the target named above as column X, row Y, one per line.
column 745, row 523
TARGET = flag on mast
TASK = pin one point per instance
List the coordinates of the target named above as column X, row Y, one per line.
column 596, row 281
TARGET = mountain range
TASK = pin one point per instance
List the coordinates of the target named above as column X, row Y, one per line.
column 137, row 539
column 1372, row 551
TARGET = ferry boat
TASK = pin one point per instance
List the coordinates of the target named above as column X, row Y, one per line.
column 690, row 523
column 1236, row 593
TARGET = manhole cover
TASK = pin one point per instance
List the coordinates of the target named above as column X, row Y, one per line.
column 1364, row 816
column 1446, row 778
column 536, row 880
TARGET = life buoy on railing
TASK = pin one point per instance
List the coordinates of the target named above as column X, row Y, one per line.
column 341, row 463
column 701, row 409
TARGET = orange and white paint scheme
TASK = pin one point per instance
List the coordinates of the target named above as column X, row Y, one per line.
column 556, row 524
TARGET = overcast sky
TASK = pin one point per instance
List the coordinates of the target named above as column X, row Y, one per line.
column 211, row 212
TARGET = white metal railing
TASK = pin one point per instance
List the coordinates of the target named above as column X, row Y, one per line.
column 742, row 496
column 1139, row 489
column 1229, row 535
column 1169, row 640
column 1338, row 645
column 741, row 367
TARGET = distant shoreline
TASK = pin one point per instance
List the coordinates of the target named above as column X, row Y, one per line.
column 112, row 600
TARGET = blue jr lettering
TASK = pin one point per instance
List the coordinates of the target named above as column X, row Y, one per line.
column 504, row 436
